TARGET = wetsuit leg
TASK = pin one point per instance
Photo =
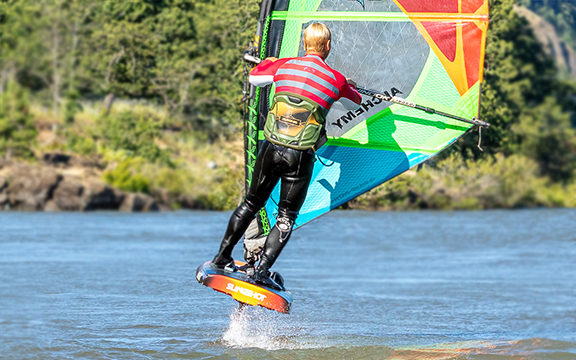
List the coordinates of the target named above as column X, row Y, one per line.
column 298, row 166
column 266, row 176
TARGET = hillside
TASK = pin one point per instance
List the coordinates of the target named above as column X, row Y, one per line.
column 563, row 52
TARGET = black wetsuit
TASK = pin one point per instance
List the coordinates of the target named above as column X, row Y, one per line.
column 306, row 77
column 274, row 162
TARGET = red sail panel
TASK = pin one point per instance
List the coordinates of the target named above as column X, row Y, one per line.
column 431, row 6
column 470, row 6
column 472, row 41
column 444, row 36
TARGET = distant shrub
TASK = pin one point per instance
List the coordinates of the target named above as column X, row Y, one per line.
column 123, row 178
column 175, row 181
column 224, row 194
column 135, row 134
column 83, row 145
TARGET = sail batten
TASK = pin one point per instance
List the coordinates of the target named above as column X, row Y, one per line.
column 373, row 16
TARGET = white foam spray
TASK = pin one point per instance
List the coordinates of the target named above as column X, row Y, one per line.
column 254, row 327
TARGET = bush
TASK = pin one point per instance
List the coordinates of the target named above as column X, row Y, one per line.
column 134, row 134
column 453, row 183
column 123, row 178
column 83, row 145
column 224, row 192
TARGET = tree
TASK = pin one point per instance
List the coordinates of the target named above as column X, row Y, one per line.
column 17, row 130
column 214, row 100
column 40, row 42
column 145, row 48
column 186, row 54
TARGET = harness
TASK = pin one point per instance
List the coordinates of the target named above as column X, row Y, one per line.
column 295, row 121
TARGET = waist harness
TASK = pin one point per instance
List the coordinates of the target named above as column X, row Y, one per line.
column 295, row 122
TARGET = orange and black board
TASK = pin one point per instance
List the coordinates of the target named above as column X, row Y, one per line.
column 242, row 289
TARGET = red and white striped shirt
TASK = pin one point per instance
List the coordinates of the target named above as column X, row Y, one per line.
column 308, row 76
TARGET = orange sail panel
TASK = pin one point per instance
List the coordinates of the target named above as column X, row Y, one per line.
column 456, row 31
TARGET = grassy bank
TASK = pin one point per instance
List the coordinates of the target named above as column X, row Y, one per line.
column 453, row 183
column 138, row 148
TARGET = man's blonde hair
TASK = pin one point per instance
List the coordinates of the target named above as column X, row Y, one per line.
column 315, row 37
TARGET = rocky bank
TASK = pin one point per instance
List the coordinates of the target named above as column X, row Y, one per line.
column 63, row 183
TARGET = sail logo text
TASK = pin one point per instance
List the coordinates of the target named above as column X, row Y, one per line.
column 364, row 107
column 245, row 292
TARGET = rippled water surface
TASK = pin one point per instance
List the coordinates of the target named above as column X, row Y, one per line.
column 366, row 285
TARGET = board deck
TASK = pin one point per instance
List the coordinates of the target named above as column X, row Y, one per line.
column 243, row 289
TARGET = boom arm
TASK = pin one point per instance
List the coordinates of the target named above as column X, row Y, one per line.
column 396, row 100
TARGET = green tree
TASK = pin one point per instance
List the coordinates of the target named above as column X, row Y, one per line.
column 547, row 136
column 17, row 130
column 144, row 48
column 185, row 54
column 214, row 100
column 40, row 42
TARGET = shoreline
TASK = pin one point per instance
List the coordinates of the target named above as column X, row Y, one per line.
column 65, row 183
column 58, row 185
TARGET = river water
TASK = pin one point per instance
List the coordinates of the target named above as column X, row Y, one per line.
column 366, row 285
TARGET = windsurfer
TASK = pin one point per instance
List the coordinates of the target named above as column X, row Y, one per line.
column 306, row 88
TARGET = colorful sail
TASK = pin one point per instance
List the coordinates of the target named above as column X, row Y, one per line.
column 429, row 52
